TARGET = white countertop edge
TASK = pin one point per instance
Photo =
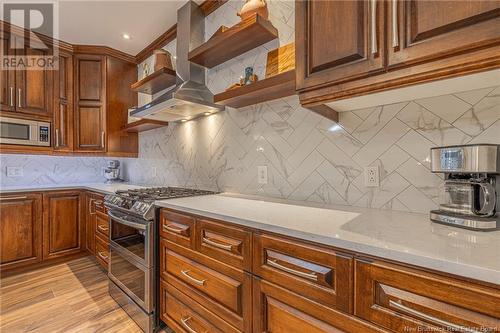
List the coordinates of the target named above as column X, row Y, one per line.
column 103, row 188
column 459, row 269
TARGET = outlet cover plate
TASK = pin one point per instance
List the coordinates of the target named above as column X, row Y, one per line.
column 372, row 177
column 262, row 174
column 15, row 171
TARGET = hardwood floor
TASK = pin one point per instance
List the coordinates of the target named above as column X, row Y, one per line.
column 69, row 297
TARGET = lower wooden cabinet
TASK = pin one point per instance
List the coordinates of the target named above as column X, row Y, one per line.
column 20, row 230
column 102, row 252
column 408, row 300
column 63, row 227
column 279, row 310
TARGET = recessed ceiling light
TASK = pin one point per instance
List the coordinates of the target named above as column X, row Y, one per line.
column 207, row 113
column 126, row 36
column 183, row 120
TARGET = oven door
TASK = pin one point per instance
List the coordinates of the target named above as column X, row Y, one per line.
column 134, row 279
column 133, row 236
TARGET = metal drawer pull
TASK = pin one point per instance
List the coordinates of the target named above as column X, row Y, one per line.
column 199, row 282
column 174, row 230
column 102, row 256
column 13, row 198
column 310, row 276
column 395, row 30
column 102, row 139
column 184, row 322
column 11, row 96
column 19, row 97
column 374, row 27
column 432, row 319
column 100, row 227
column 215, row 244
column 57, row 137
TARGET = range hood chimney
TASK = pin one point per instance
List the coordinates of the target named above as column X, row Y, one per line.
column 189, row 97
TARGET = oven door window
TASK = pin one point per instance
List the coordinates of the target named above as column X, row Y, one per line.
column 129, row 237
column 14, row 131
column 129, row 276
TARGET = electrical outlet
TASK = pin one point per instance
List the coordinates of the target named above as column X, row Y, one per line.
column 262, row 174
column 153, row 172
column 372, row 178
column 15, row 171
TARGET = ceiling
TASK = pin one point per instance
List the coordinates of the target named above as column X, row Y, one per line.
column 104, row 22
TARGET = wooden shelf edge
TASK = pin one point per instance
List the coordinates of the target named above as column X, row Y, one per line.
column 278, row 86
column 156, row 81
column 144, row 125
column 215, row 51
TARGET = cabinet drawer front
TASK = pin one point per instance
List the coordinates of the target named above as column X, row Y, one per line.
column 404, row 299
column 217, row 286
column 227, row 244
column 278, row 310
column 319, row 274
column 183, row 314
column 102, row 252
column 177, row 228
column 102, row 225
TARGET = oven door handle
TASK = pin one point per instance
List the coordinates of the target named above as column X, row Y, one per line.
column 125, row 222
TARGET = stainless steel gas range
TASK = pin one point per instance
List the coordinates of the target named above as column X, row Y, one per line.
column 133, row 240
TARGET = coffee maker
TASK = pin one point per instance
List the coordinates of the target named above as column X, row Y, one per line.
column 471, row 189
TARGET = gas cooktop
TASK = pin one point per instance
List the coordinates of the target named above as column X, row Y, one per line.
column 140, row 202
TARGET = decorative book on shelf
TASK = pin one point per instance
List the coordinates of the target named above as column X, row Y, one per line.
column 229, row 43
column 156, row 81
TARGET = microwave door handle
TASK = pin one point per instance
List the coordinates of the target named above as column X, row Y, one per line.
column 489, row 201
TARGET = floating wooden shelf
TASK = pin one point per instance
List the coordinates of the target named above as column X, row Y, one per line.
column 240, row 38
column 144, row 125
column 281, row 85
column 158, row 80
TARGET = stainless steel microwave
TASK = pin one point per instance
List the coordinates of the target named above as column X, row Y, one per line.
column 24, row 132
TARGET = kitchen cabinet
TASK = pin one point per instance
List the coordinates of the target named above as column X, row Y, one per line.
column 63, row 104
column 102, row 98
column 351, row 48
column 20, row 230
column 94, row 202
column 428, row 30
column 26, row 91
column 404, row 299
column 63, row 226
column 338, row 40
column 90, row 103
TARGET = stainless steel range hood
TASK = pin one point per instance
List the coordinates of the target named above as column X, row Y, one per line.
column 189, row 97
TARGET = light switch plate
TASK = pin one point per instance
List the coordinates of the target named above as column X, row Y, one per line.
column 372, row 178
column 15, row 171
column 262, row 174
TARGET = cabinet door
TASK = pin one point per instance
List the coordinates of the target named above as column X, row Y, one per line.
column 63, row 232
column 33, row 86
column 20, row 230
column 90, row 95
column 338, row 41
column 63, row 98
column 423, row 30
column 278, row 310
column 8, row 86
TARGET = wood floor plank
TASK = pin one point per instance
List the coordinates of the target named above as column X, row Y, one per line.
column 69, row 297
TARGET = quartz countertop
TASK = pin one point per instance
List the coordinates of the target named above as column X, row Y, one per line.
column 97, row 187
column 400, row 236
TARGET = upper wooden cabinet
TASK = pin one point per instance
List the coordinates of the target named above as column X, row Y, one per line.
column 422, row 30
column 351, row 48
column 338, row 40
column 90, row 103
column 25, row 90
column 102, row 100
column 63, row 104
column 20, row 230
column 63, row 227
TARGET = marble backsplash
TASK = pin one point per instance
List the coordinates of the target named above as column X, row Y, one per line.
column 311, row 158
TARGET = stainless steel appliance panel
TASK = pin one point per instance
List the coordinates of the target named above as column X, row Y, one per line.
column 466, row 159
column 24, row 132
